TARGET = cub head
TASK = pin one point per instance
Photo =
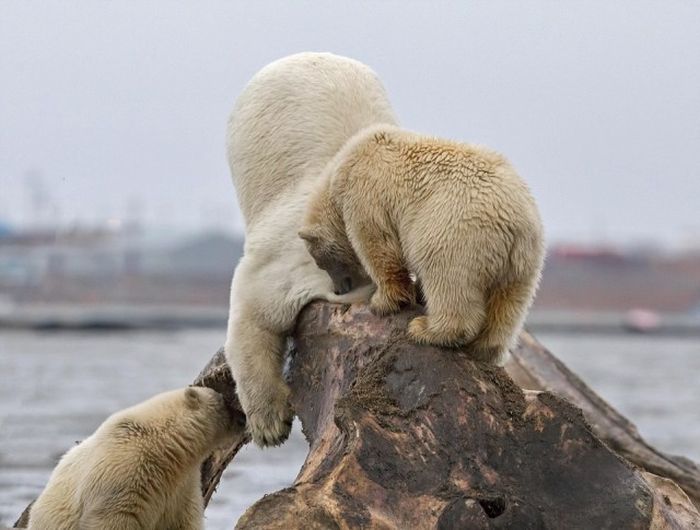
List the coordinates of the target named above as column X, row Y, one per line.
column 323, row 231
column 334, row 254
column 210, row 410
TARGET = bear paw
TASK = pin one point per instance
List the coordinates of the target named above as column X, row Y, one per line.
column 418, row 330
column 271, row 425
column 390, row 300
column 488, row 354
column 381, row 305
column 421, row 331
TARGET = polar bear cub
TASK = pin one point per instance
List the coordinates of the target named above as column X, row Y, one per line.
column 289, row 122
column 140, row 469
column 457, row 216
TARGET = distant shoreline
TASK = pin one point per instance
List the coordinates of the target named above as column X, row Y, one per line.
column 111, row 317
column 115, row 318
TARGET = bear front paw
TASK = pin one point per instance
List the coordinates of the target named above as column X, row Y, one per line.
column 270, row 425
column 422, row 330
column 381, row 305
column 391, row 298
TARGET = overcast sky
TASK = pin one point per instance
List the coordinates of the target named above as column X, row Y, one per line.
column 121, row 107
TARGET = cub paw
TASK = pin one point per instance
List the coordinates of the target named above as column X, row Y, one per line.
column 418, row 330
column 488, row 354
column 391, row 298
column 421, row 331
column 382, row 305
column 270, row 425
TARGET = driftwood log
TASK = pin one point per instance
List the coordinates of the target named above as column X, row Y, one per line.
column 404, row 436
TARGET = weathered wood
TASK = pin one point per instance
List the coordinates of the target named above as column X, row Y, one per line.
column 23, row 520
column 216, row 375
column 533, row 367
column 403, row 436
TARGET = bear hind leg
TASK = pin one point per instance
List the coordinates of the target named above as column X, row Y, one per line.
column 505, row 313
column 455, row 312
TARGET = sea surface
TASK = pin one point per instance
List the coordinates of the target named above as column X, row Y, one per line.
column 57, row 387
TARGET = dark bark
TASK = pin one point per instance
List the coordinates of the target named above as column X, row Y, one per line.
column 403, row 436
column 533, row 367
column 217, row 375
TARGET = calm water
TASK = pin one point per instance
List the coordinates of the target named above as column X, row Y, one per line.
column 58, row 387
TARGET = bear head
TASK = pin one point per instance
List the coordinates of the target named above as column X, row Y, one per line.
column 334, row 254
column 323, row 232
column 210, row 410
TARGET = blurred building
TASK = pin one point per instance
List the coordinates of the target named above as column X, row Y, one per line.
column 98, row 265
column 608, row 279
column 133, row 266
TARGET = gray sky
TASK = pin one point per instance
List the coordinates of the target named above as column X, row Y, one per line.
column 123, row 105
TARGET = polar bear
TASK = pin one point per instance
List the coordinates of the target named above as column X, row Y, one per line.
column 140, row 469
column 457, row 216
column 288, row 123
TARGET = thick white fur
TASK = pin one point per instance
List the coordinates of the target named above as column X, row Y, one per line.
column 291, row 119
column 139, row 469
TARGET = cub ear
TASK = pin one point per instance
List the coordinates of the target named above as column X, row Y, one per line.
column 192, row 399
column 309, row 234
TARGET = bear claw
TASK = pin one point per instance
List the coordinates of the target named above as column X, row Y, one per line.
column 270, row 427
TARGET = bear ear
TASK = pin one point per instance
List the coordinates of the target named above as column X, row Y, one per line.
column 192, row 399
column 309, row 234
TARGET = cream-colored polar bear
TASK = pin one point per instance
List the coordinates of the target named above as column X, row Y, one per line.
column 457, row 216
column 140, row 469
column 291, row 119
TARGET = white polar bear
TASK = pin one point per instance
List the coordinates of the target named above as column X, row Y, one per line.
column 289, row 122
column 140, row 470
